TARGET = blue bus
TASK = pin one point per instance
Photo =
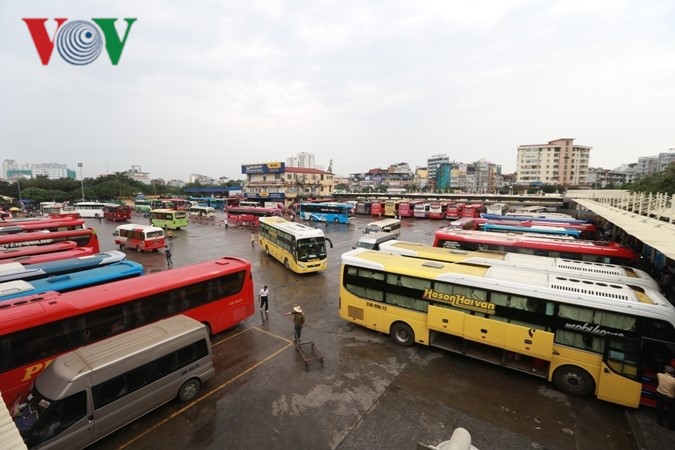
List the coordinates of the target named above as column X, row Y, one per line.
column 538, row 229
column 19, row 271
column 326, row 212
column 213, row 202
column 70, row 281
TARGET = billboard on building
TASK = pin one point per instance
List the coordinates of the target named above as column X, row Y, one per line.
column 270, row 167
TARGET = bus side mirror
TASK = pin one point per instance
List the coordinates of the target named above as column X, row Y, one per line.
column 329, row 241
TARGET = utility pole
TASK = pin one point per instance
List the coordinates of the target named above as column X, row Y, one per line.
column 81, row 179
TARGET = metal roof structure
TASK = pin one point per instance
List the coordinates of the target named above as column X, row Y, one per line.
column 656, row 233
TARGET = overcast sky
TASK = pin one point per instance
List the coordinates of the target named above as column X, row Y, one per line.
column 205, row 86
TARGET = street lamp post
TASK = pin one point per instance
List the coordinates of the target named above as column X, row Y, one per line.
column 81, row 179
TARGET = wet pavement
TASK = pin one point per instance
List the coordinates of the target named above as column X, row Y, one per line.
column 369, row 393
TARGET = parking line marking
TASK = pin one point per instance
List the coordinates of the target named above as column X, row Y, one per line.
column 289, row 343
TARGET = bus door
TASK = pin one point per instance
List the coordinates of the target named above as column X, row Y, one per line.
column 618, row 381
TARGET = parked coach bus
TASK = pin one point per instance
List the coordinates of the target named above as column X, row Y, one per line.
column 586, row 230
column 42, row 224
column 17, row 271
column 142, row 238
column 16, row 254
column 422, row 210
column 298, row 247
column 597, row 251
column 570, row 267
column 85, row 237
column 90, row 392
column 537, row 229
column 34, row 330
column 407, row 208
column 70, row 281
column 585, row 336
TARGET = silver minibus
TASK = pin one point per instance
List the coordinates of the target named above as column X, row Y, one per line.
column 372, row 241
column 384, row 225
column 90, row 392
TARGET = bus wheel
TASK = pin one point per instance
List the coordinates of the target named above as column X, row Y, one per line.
column 286, row 263
column 574, row 381
column 336, row 220
column 138, row 248
column 402, row 334
column 189, row 390
column 267, row 251
column 121, row 246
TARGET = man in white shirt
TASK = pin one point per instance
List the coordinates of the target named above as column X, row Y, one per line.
column 262, row 296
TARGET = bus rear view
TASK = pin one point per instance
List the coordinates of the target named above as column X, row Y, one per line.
column 93, row 391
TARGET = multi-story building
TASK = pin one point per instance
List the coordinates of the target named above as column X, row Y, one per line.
column 397, row 176
column 137, row 174
column 558, row 162
column 433, row 163
column 274, row 182
column 478, row 177
column 303, row 159
column 666, row 159
column 7, row 165
column 53, row 171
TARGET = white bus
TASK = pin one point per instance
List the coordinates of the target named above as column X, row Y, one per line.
column 384, row 225
column 142, row 238
column 535, row 263
column 201, row 212
column 97, row 389
column 299, row 247
column 89, row 209
column 421, row 210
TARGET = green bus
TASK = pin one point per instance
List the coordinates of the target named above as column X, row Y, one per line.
column 168, row 218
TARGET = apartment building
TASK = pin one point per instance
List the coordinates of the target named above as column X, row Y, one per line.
column 558, row 162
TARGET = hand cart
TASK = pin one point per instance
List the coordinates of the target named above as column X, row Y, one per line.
column 309, row 352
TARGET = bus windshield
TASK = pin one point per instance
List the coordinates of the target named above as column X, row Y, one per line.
column 311, row 248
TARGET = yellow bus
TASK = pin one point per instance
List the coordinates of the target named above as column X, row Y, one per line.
column 573, row 267
column 299, row 247
column 391, row 207
column 585, row 336
column 169, row 218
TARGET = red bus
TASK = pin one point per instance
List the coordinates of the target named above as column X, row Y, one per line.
column 27, row 250
column 585, row 250
column 473, row 210
column 437, row 210
column 85, row 237
column 454, row 211
column 238, row 216
column 17, row 254
column 408, row 210
column 377, row 208
column 34, row 330
column 59, row 224
column 117, row 213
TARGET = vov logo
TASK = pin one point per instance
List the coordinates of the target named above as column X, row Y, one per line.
column 79, row 42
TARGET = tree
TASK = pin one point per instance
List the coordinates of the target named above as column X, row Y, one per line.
column 663, row 182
